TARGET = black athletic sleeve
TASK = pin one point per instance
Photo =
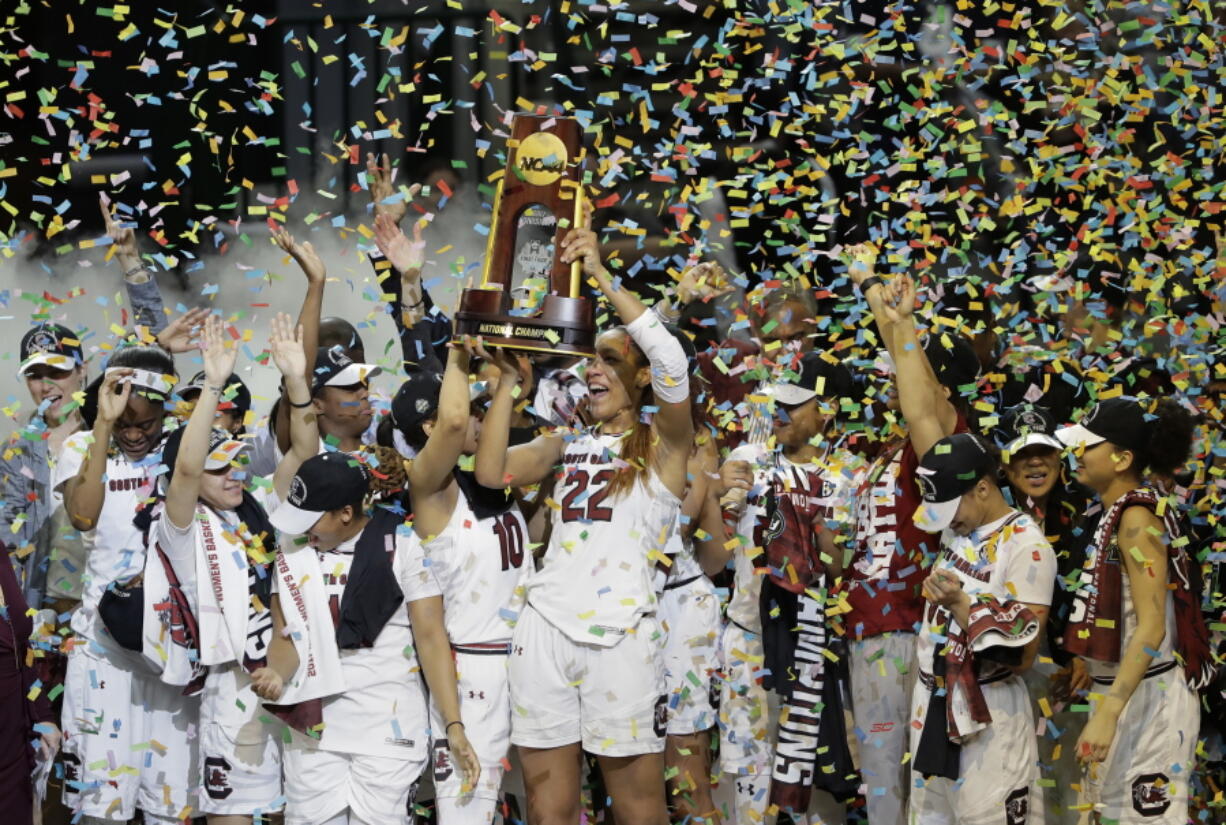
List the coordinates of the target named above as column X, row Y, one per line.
column 423, row 346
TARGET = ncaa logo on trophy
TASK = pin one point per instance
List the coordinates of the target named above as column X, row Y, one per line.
column 539, row 187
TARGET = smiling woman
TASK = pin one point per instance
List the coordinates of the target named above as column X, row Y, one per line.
column 593, row 600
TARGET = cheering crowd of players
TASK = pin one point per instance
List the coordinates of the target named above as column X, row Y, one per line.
column 910, row 572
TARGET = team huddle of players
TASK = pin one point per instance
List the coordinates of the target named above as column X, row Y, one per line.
column 839, row 565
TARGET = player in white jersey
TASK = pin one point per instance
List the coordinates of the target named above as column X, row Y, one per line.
column 801, row 461
column 219, row 539
column 356, row 610
column 114, row 706
column 972, row 736
column 1136, row 616
column 585, row 665
column 975, row 755
column 475, row 541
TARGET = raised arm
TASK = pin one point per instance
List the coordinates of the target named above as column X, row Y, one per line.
column 289, row 354
column 928, row 413
column 862, row 269
column 497, row 466
column 417, row 325
column 316, row 273
column 85, row 492
column 144, row 296
column 669, row 369
column 219, row 357
column 431, row 470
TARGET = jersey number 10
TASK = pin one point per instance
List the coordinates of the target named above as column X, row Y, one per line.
column 510, row 540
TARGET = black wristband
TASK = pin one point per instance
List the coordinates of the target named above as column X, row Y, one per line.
column 870, row 282
column 309, row 402
column 449, row 724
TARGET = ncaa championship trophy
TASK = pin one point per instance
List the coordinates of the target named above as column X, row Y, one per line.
column 540, row 185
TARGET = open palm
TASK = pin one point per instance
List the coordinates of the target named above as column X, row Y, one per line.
column 406, row 257
column 285, row 346
column 219, row 354
column 304, row 255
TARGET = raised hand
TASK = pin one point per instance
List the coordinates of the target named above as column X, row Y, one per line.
column 702, row 282
column 580, row 244
column 861, row 261
column 406, row 257
column 304, row 255
column 900, row 302
column 379, row 182
column 123, row 237
column 285, row 345
column 113, row 395
column 219, row 354
column 181, row 333
column 475, row 347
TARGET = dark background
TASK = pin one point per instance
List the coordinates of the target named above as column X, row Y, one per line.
column 1074, row 138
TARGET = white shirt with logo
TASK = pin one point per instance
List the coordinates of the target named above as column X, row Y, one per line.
column 1021, row 567
column 115, row 549
column 596, row 579
column 382, row 711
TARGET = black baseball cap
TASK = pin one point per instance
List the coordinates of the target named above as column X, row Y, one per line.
column 51, row 344
column 1118, row 420
column 224, row 449
column 948, row 471
column 1026, row 425
column 324, row 482
column 333, row 368
column 953, row 359
column 416, row 400
column 235, row 396
column 814, row 376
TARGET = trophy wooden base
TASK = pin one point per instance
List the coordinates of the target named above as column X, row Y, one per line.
column 564, row 326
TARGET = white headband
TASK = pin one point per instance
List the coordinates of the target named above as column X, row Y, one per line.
column 155, row 381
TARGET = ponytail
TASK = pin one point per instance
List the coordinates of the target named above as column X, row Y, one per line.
column 1169, row 438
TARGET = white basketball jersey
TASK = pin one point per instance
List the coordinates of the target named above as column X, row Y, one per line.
column 478, row 565
column 596, row 578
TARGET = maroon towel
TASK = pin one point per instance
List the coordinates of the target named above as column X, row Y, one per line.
column 1099, row 594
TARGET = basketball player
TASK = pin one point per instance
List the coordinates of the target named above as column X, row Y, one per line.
column 1136, row 616
column 585, row 665
column 476, row 542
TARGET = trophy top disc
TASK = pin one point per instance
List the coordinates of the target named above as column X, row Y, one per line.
column 541, row 158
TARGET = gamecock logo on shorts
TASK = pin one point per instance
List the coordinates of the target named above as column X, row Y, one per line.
column 1151, row 794
column 443, row 769
column 72, row 774
column 217, row 777
column 1017, row 807
column 659, row 721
